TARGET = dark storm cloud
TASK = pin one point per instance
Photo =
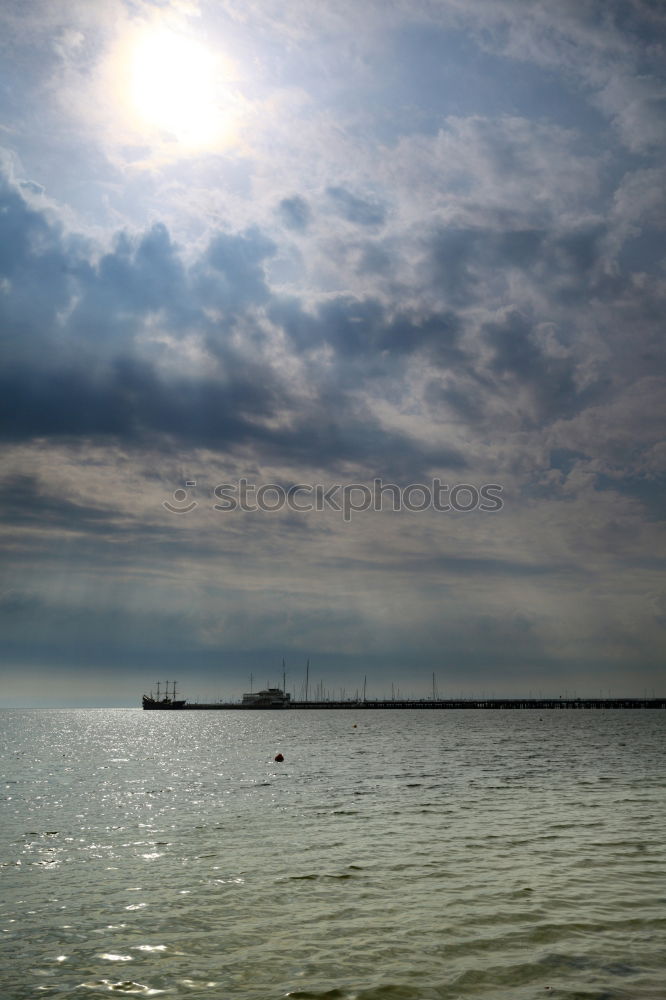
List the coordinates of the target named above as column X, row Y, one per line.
column 129, row 403
column 137, row 278
column 38, row 274
column 231, row 275
column 473, row 266
column 438, row 333
column 578, row 250
column 366, row 332
column 462, row 400
column 517, row 355
column 80, row 358
column 75, row 364
column 469, row 262
column 538, row 351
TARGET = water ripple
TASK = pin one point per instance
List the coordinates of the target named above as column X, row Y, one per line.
column 494, row 857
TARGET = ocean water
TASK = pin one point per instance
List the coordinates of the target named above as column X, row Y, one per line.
column 393, row 855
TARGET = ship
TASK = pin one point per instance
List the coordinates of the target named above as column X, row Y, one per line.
column 169, row 701
column 270, row 698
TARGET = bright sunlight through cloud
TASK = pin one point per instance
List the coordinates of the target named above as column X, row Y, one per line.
column 172, row 88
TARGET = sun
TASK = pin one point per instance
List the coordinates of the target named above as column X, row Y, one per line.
column 172, row 85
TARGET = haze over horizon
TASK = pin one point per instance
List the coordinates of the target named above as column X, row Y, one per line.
column 316, row 245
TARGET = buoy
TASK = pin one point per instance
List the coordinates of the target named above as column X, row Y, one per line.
column 279, row 758
column 354, row 726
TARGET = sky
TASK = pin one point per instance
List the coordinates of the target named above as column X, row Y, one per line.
column 355, row 247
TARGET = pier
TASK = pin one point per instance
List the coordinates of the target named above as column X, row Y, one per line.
column 428, row 704
column 489, row 703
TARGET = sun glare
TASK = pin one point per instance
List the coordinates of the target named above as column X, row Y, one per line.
column 173, row 88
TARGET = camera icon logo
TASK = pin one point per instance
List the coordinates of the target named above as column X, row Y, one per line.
column 180, row 496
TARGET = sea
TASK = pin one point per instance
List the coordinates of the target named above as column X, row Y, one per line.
column 392, row 855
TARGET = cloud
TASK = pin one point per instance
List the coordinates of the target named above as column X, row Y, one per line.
column 608, row 48
column 354, row 209
column 295, row 213
column 448, row 265
column 234, row 276
column 122, row 307
column 140, row 342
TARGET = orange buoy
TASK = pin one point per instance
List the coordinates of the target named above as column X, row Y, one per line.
column 279, row 758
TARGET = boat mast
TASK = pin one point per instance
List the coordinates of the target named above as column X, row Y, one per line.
column 307, row 678
column 284, row 677
column 158, row 690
